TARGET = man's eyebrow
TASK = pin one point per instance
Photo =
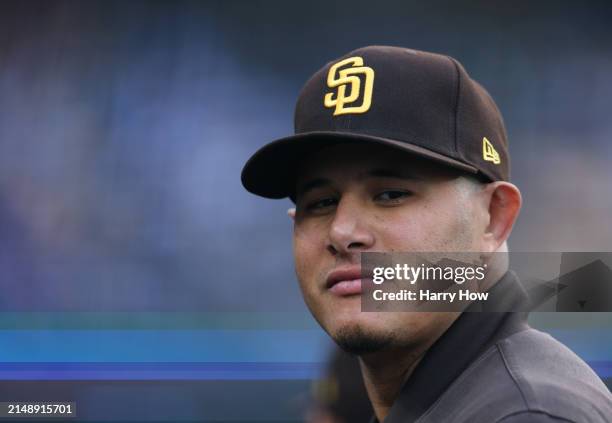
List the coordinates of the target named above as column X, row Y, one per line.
column 312, row 184
column 374, row 173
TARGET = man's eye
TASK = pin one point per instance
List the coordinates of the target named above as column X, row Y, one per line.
column 392, row 195
column 321, row 204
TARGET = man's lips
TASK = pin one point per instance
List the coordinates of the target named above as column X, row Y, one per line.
column 345, row 281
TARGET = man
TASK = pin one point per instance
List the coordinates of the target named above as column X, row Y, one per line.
column 399, row 150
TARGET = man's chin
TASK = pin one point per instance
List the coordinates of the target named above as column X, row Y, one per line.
column 355, row 339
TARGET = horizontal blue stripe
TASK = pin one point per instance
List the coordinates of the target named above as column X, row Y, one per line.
column 160, row 371
column 185, row 371
column 218, row 346
column 163, row 346
column 154, row 366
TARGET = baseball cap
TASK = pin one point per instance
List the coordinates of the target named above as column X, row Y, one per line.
column 419, row 102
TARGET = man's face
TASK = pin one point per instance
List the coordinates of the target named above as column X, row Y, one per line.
column 354, row 198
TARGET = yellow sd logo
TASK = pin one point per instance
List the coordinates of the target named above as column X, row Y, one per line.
column 349, row 77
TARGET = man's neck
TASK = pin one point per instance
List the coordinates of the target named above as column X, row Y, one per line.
column 385, row 372
column 384, row 376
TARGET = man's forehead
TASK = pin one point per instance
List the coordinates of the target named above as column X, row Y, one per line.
column 361, row 161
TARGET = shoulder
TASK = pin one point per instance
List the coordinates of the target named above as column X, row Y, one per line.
column 553, row 380
column 527, row 377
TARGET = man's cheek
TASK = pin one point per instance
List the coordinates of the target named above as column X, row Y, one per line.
column 300, row 271
column 305, row 271
column 405, row 235
column 304, row 246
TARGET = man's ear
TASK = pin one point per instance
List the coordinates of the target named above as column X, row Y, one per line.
column 504, row 204
column 291, row 212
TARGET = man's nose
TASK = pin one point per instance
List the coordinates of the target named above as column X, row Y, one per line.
column 349, row 233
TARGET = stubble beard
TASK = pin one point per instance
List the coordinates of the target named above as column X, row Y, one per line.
column 354, row 339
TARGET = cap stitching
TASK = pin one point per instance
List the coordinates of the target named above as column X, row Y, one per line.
column 456, row 107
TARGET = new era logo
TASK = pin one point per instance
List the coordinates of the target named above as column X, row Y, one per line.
column 488, row 152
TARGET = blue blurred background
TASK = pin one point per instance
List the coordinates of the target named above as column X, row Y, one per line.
column 129, row 250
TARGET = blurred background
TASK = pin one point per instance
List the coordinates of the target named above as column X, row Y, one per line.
column 134, row 268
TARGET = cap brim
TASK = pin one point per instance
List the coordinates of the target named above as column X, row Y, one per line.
column 270, row 172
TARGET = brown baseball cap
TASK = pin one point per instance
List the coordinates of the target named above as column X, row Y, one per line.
column 415, row 101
